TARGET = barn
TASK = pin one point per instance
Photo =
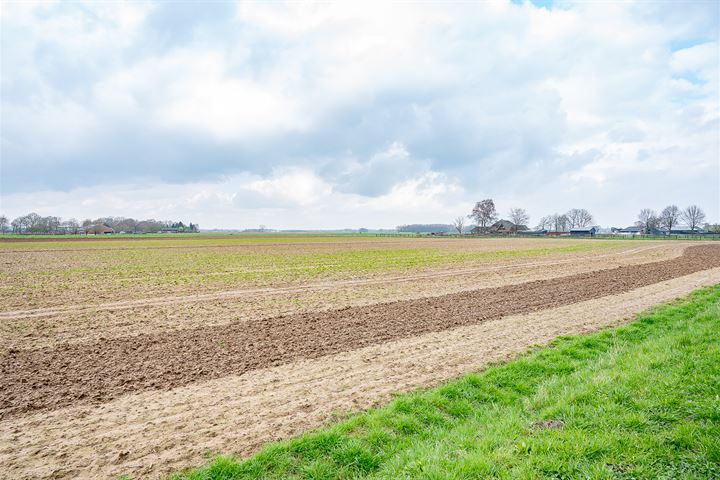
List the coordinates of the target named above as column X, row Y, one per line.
column 628, row 231
column 501, row 227
column 99, row 229
column 583, row 232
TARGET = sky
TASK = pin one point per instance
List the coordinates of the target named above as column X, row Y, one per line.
column 357, row 114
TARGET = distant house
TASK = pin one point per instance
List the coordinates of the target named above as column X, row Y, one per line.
column 98, row 229
column 628, row 231
column 501, row 227
column 583, row 232
column 169, row 230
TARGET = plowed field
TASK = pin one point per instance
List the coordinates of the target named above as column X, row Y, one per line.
column 138, row 357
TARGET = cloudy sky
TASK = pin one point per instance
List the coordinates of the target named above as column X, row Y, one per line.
column 305, row 115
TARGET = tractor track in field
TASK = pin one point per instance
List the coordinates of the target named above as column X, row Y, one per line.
column 269, row 291
column 100, row 371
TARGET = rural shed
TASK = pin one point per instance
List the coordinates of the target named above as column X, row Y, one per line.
column 686, row 231
column 536, row 233
column 506, row 226
column 629, row 231
column 99, row 229
column 583, row 232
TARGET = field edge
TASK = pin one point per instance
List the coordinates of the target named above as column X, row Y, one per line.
column 362, row 443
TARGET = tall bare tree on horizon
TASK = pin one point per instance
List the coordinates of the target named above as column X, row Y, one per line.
column 519, row 216
column 484, row 213
column 693, row 216
column 578, row 218
column 669, row 217
column 647, row 219
column 459, row 224
column 544, row 223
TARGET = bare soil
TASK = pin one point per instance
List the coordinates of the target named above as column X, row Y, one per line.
column 100, row 371
column 328, row 285
column 92, row 274
column 81, row 323
column 148, row 434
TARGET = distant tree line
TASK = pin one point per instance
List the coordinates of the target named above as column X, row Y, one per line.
column 671, row 216
column 484, row 214
column 564, row 222
column 424, row 228
column 32, row 223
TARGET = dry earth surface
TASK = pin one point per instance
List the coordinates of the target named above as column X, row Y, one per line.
column 151, row 375
column 73, row 323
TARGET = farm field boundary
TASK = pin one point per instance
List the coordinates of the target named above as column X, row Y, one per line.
column 583, row 408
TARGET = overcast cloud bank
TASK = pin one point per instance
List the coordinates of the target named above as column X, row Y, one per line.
column 319, row 116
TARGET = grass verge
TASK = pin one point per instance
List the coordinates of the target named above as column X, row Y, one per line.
column 639, row 401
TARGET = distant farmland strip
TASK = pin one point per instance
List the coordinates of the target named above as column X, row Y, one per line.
column 100, row 371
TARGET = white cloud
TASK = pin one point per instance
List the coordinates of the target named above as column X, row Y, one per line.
column 402, row 109
column 703, row 58
column 292, row 187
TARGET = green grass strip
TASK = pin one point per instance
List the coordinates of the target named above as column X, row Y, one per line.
column 639, row 401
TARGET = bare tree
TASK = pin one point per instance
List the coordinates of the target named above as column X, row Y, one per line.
column 72, row 226
column 519, row 217
column 578, row 218
column 560, row 223
column 647, row 220
column 52, row 224
column 3, row 223
column 712, row 227
column 554, row 223
column 693, row 216
column 17, row 225
column 669, row 217
column 484, row 213
column 128, row 225
column 459, row 224
column 544, row 223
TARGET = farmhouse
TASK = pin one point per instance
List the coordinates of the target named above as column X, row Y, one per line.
column 583, row 232
column 99, row 229
column 501, row 227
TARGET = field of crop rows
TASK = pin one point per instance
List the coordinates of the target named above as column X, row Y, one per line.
column 143, row 356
